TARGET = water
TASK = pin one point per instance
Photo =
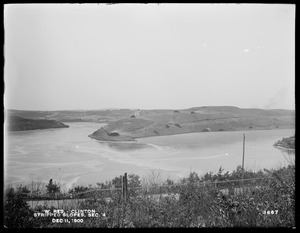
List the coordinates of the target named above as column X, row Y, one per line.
column 69, row 156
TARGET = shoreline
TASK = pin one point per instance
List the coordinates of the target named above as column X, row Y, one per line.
column 105, row 139
column 284, row 148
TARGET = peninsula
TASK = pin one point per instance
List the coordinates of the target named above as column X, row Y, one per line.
column 147, row 123
column 288, row 143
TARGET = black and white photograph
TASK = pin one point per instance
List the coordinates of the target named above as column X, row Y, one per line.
column 158, row 115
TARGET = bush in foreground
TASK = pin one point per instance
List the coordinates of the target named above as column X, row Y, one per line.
column 17, row 213
column 198, row 204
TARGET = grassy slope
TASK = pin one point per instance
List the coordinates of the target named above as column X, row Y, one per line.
column 169, row 122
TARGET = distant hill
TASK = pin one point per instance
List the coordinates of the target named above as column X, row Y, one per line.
column 250, row 111
column 15, row 123
column 108, row 115
column 74, row 115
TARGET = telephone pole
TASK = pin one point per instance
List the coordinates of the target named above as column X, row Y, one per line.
column 243, row 157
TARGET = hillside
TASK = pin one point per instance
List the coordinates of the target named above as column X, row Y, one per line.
column 104, row 115
column 129, row 124
column 15, row 123
column 149, row 123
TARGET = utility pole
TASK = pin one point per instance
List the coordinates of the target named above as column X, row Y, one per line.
column 243, row 157
column 124, row 187
column 124, row 193
column 32, row 194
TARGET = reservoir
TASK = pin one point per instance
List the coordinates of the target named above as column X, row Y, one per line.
column 69, row 156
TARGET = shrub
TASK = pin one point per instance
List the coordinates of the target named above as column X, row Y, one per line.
column 16, row 210
column 178, row 125
column 78, row 189
column 206, row 130
column 114, row 134
column 134, row 181
column 52, row 189
column 200, row 202
column 247, row 209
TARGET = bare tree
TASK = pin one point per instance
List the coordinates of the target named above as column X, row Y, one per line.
column 151, row 181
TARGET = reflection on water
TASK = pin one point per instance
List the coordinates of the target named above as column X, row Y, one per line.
column 68, row 155
column 288, row 154
column 127, row 146
column 286, row 151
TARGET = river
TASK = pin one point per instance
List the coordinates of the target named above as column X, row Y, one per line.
column 69, row 156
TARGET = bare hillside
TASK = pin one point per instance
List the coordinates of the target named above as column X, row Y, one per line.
column 202, row 119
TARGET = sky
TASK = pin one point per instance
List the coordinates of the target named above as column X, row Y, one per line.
column 149, row 56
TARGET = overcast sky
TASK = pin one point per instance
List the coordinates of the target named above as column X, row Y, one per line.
column 166, row 56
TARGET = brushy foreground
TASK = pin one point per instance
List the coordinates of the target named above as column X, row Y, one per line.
column 267, row 203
